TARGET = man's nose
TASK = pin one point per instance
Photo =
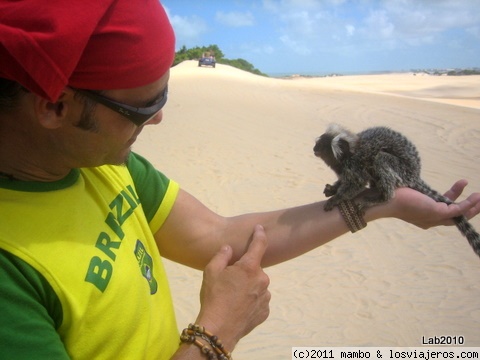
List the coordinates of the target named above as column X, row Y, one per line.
column 156, row 119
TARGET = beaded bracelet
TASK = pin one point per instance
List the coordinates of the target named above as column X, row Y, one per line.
column 352, row 215
column 214, row 350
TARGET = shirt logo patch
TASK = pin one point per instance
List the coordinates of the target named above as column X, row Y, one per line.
column 145, row 262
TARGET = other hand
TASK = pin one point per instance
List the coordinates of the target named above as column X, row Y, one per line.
column 422, row 211
column 235, row 299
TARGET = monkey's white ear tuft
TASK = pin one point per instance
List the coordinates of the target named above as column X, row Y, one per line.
column 352, row 140
column 336, row 149
column 335, row 129
column 341, row 133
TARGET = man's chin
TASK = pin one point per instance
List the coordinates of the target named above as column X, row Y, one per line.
column 125, row 156
column 121, row 158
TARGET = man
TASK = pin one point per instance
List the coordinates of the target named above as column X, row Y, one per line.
column 84, row 222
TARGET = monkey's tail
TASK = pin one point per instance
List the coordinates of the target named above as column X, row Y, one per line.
column 469, row 232
column 461, row 222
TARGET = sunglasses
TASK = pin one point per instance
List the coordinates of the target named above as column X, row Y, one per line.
column 137, row 115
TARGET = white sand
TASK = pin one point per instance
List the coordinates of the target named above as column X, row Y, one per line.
column 243, row 143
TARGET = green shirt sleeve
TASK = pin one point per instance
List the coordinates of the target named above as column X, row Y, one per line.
column 150, row 184
column 30, row 313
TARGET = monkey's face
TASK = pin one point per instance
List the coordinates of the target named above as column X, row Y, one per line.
column 323, row 145
column 323, row 149
column 332, row 149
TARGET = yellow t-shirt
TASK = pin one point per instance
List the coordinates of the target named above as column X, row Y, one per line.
column 90, row 237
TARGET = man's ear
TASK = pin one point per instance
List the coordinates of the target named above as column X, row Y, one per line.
column 52, row 115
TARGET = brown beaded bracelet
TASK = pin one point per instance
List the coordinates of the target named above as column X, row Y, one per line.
column 214, row 350
column 352, row 216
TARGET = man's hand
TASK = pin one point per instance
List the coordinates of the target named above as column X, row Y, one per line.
column 235, row 298
column 420, row 210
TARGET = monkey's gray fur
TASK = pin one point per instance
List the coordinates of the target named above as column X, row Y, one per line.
column 379, row 159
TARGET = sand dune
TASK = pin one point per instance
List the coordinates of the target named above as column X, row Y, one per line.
column 455, row 90
column 242, row 143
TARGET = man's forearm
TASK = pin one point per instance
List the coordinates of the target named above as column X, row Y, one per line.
column 291, row 232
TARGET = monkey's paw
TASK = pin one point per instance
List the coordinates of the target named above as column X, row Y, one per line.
column 330, row 204
column 329, row 190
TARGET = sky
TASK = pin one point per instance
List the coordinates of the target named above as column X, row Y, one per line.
column 333, row 36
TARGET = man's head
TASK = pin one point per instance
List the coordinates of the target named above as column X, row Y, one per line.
column 119, row 50
column 86, row 44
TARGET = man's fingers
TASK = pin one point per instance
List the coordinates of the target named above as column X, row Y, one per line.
column 257, row 247
column 456, row 190
column 470, row 207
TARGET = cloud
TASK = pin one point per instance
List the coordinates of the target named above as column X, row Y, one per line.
column 379, row 25
column 235, row 19
column 306, row 26
column 417, row 22
column 282, row 5
column 249, row 48
column 187, row 28
column 350, row 30
column 474, row 30
column 298, row 47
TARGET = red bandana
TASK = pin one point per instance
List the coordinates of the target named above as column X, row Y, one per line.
column 89, row 44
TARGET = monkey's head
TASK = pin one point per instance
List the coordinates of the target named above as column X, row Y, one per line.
column 335, row 146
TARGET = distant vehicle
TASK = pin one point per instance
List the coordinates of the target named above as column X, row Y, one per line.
column 207, row 60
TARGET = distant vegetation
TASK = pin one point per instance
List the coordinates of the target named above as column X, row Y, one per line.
column 196, row 53
column 464, row 72
column 449, row 72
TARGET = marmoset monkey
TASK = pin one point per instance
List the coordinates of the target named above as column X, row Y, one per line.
column 380, row 160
